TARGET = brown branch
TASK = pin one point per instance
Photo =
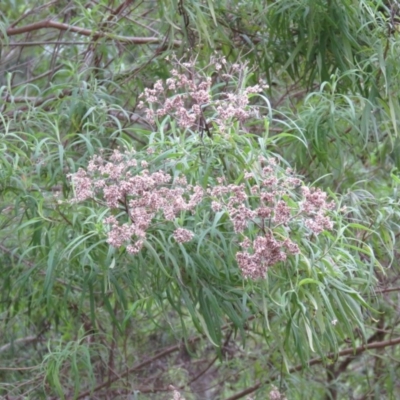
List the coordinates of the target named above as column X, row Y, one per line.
column 119, row 9
column 315, row 361
column 23, row 99
column 394, row 289
column 33, row 11
column 21, row 341
column 50, row 24
column 46, row 24
column 19, row 368
column 44, row 43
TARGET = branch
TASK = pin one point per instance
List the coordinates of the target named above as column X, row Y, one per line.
column 48, row 42
column 33, row 11
column 394, row 289
column 21, row 341
column 314, row 361
column 46, row 24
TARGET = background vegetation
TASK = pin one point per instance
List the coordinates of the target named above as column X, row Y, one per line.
column 83, row 319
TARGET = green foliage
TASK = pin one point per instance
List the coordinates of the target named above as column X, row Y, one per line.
column 81, row 318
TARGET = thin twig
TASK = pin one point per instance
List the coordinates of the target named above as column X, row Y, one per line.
column 48, row 42
column 394, row 289
column 48, row 24
column 21, row 341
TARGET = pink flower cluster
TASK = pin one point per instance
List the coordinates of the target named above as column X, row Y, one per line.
column 275, row 394
column 263, row 211
column 186, row 97
column 127, row 185
column 271, row 196
column 315, row 207
column 186, row 107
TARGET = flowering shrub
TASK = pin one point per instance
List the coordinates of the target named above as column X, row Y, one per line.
column 187, row 97
column 123, row 183
column 217, row 228
column 271, row 210
column 262, row 213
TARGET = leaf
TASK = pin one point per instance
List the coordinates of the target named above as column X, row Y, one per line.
column 308, row 281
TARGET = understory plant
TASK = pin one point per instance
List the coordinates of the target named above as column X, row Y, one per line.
column 174, row 227
column 224, row 230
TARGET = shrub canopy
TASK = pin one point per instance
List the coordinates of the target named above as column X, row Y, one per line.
column 199, row 199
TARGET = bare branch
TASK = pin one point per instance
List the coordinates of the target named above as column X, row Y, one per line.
column 49, row 42
column 46, row 24
column 388, row 290
column 17, row 342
